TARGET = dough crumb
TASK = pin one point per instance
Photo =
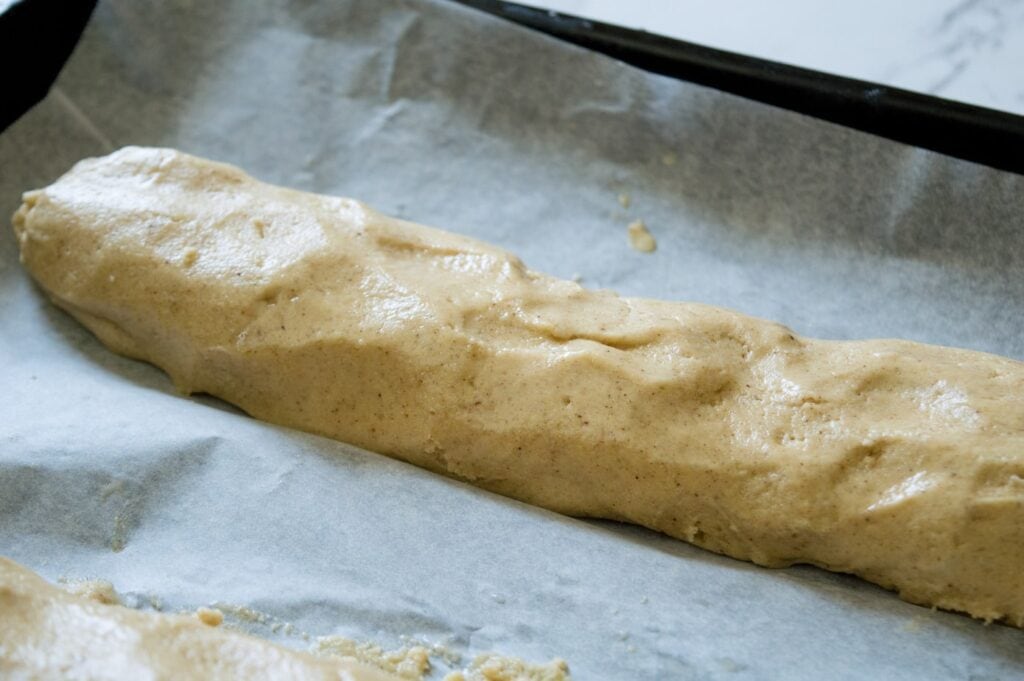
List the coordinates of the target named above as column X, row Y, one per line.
column 625, row 200
column 243, row 613
column 640, row 238
column 451, row 657
column 211, row 617
column 411, row 662
column 189, row 257
column 438, row 649
column 98, row 590
column 490, row 667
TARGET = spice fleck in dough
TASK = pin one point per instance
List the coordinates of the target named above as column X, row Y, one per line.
column 900, row 462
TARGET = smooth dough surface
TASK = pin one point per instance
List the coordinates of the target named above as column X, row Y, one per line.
column 47, row 633
column 900, row 462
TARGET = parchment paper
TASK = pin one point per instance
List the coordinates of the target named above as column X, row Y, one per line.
column 435, row 113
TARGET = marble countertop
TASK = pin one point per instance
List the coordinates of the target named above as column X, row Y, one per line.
column 966, row 50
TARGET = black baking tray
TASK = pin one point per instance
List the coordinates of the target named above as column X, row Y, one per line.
column 36, row 38
column 974, row 133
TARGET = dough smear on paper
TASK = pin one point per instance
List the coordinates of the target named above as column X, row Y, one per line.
column 48, row 633
column 82, row 632
column 900, row 462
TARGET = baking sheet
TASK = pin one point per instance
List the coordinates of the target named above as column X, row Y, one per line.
column 434, row 113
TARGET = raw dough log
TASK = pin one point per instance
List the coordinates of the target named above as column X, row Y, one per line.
column 900, row 462
column 47, row 633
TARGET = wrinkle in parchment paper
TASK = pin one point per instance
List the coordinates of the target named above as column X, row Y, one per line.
column 432, row 112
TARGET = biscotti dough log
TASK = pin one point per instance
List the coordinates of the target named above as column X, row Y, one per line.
column 900, row 462
column 47, row 633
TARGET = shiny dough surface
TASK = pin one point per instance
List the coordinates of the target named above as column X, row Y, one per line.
column 47, row 633
column 896, row 461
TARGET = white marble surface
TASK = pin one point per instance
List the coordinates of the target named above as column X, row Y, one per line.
column 968, row 50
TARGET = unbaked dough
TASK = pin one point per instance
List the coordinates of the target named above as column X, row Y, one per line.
column 640, row 238
column 48, row 633
column 900, row 462
column 489, row 667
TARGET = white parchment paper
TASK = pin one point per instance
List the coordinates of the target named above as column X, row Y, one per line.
column 437, row 114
